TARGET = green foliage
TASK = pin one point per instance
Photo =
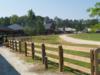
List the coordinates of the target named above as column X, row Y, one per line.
column 58, row 21
column 39, row 25
column 34, row 24
column 95, row 27
column 29, row 30
column 31, row 15
column 14, row 19
column 5, row 21
column 95, row 11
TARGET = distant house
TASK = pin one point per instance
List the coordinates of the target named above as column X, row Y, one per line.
column 5, row 30
column 87, row 30
column 11, row 30
column 15, row 27
column 47, row 24
column 66, row 30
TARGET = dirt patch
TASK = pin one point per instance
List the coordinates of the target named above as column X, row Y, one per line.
column 25, row 68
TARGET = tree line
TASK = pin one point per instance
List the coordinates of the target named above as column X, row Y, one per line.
column 34, row 25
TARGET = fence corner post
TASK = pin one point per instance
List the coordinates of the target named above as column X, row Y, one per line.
column 61, row 59
column 96, row 61
column 92, row 61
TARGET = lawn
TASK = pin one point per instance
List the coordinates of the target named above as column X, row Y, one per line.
column 54, row 39
column 88, row 36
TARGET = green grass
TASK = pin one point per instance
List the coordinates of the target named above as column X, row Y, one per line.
column 73, row 52
column 78, row 53
column 88, row 36
column 80, row 63
column 52, row 39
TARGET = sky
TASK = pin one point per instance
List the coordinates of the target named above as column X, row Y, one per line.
column 71, row 9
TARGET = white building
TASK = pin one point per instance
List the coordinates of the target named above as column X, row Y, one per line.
column 67, row 29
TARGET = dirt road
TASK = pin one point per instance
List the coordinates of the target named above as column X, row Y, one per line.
column 78, row 41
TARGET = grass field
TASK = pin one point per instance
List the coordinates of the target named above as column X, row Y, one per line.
column 90, row 36
column 54, row 39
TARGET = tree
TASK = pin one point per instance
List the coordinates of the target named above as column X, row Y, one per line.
column 40, row 29
column 22, row 20
column 95, row 11
column 30, row 26
column 5, row 21
column 14, row 19
column 58, row 22
column 29, row 30
column 31, row 15
column 95, row 27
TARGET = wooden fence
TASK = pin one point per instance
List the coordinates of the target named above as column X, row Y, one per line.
column 59, row 54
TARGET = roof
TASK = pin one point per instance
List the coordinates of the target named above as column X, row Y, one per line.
column 67, row 29
column 15, row 27
column 4, row 28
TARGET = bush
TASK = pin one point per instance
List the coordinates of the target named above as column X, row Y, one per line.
column 95, row 28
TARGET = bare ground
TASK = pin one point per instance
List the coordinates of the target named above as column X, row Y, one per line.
column 11, row 64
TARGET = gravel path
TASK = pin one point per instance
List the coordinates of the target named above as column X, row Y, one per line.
column 78, row 41
column 10, row 64
column 9, row 59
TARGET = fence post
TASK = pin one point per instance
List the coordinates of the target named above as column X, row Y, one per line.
column 16, row 45
column 8, row 43
column 20, row 46
column 25, row 49
column 13, row 44
column 92, row 61
column 33, row 50
column 61, row 60
column 96, row 61
column 43, row 53
column 46, row 62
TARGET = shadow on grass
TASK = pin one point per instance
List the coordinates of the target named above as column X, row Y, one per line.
column 54, row 67
column 6, row 68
